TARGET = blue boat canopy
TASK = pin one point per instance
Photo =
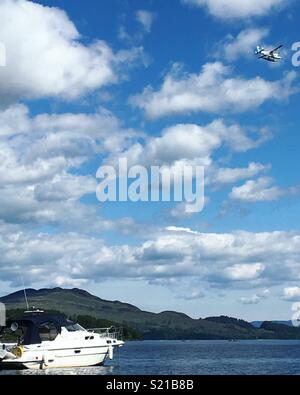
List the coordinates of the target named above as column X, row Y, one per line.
column 36, row 328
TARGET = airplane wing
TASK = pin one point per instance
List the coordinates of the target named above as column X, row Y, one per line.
column 275, row 49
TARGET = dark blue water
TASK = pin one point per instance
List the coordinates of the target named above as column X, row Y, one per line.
column 197, row 357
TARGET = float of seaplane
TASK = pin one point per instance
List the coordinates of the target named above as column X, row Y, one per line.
column 52, row 341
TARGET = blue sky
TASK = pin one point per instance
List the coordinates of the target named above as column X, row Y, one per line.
column 88, row 82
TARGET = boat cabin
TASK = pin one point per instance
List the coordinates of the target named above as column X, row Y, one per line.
column 36, row 328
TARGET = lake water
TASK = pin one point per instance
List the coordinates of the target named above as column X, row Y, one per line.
column 265, row 357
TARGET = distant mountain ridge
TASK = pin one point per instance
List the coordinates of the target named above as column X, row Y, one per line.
column 258, row 324
column 165, row 325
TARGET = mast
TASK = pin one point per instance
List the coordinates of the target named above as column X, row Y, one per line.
column 26, row 300
column 25, row 294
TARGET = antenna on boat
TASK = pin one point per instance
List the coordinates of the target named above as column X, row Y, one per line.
column 25, row 294
column 26, row 300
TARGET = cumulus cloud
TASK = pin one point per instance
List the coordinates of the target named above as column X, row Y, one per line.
column 189, row 93
column 230, row 9
column 260, row 190
column 244, row 271
column 239, row 259
column 291, row 294
column 22, row 206
column 180, row 211
column 182, row 141
column 39, row 156
column 221, row 176
column 145, row 18
column 243, row 44
column 55, row 141
column 65, row 187
column 192, row 295
column 256, row 298
column 56, row 64
column 188, row 144
column 184, row 288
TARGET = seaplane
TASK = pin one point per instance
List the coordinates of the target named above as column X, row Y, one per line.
column 268, row 55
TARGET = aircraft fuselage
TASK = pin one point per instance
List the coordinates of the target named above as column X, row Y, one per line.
column 270, row 57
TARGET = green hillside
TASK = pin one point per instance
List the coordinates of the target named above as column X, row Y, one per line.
column 91, row 310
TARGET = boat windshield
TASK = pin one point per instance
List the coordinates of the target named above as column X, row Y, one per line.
column 72, row 327
column 16, row 336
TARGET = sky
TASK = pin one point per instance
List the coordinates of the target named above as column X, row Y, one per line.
column 158, row 82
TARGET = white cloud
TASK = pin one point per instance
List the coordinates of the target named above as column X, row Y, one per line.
column 261, row 189
column 228, row 9
column 192, row 295
column 22, row 206
column 189, row 93
column 183, row 141
column 183, row 288
column 56, row 140
column 244, row 271
column 63, row 281
column 251, row 258
column 195, row 144
column 291, row 293
column 15, row 118
column 180, row 211
column 242, row 45
column 38, row 154
column 145, row 18
column 45, row 57
column 255, row 299
column 224, row 176
column 241, row 260
column 65, row 187
column 38, row 158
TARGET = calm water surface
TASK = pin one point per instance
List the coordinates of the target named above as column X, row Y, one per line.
column 195, row 357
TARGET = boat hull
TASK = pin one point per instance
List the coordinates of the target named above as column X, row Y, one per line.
column 65, row 358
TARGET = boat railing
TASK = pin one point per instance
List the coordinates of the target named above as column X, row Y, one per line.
column 111, row 332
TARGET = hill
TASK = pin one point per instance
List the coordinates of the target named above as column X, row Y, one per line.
column 258, row 324
column 78, row 303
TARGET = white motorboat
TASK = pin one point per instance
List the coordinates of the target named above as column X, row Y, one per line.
column 52, row 341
